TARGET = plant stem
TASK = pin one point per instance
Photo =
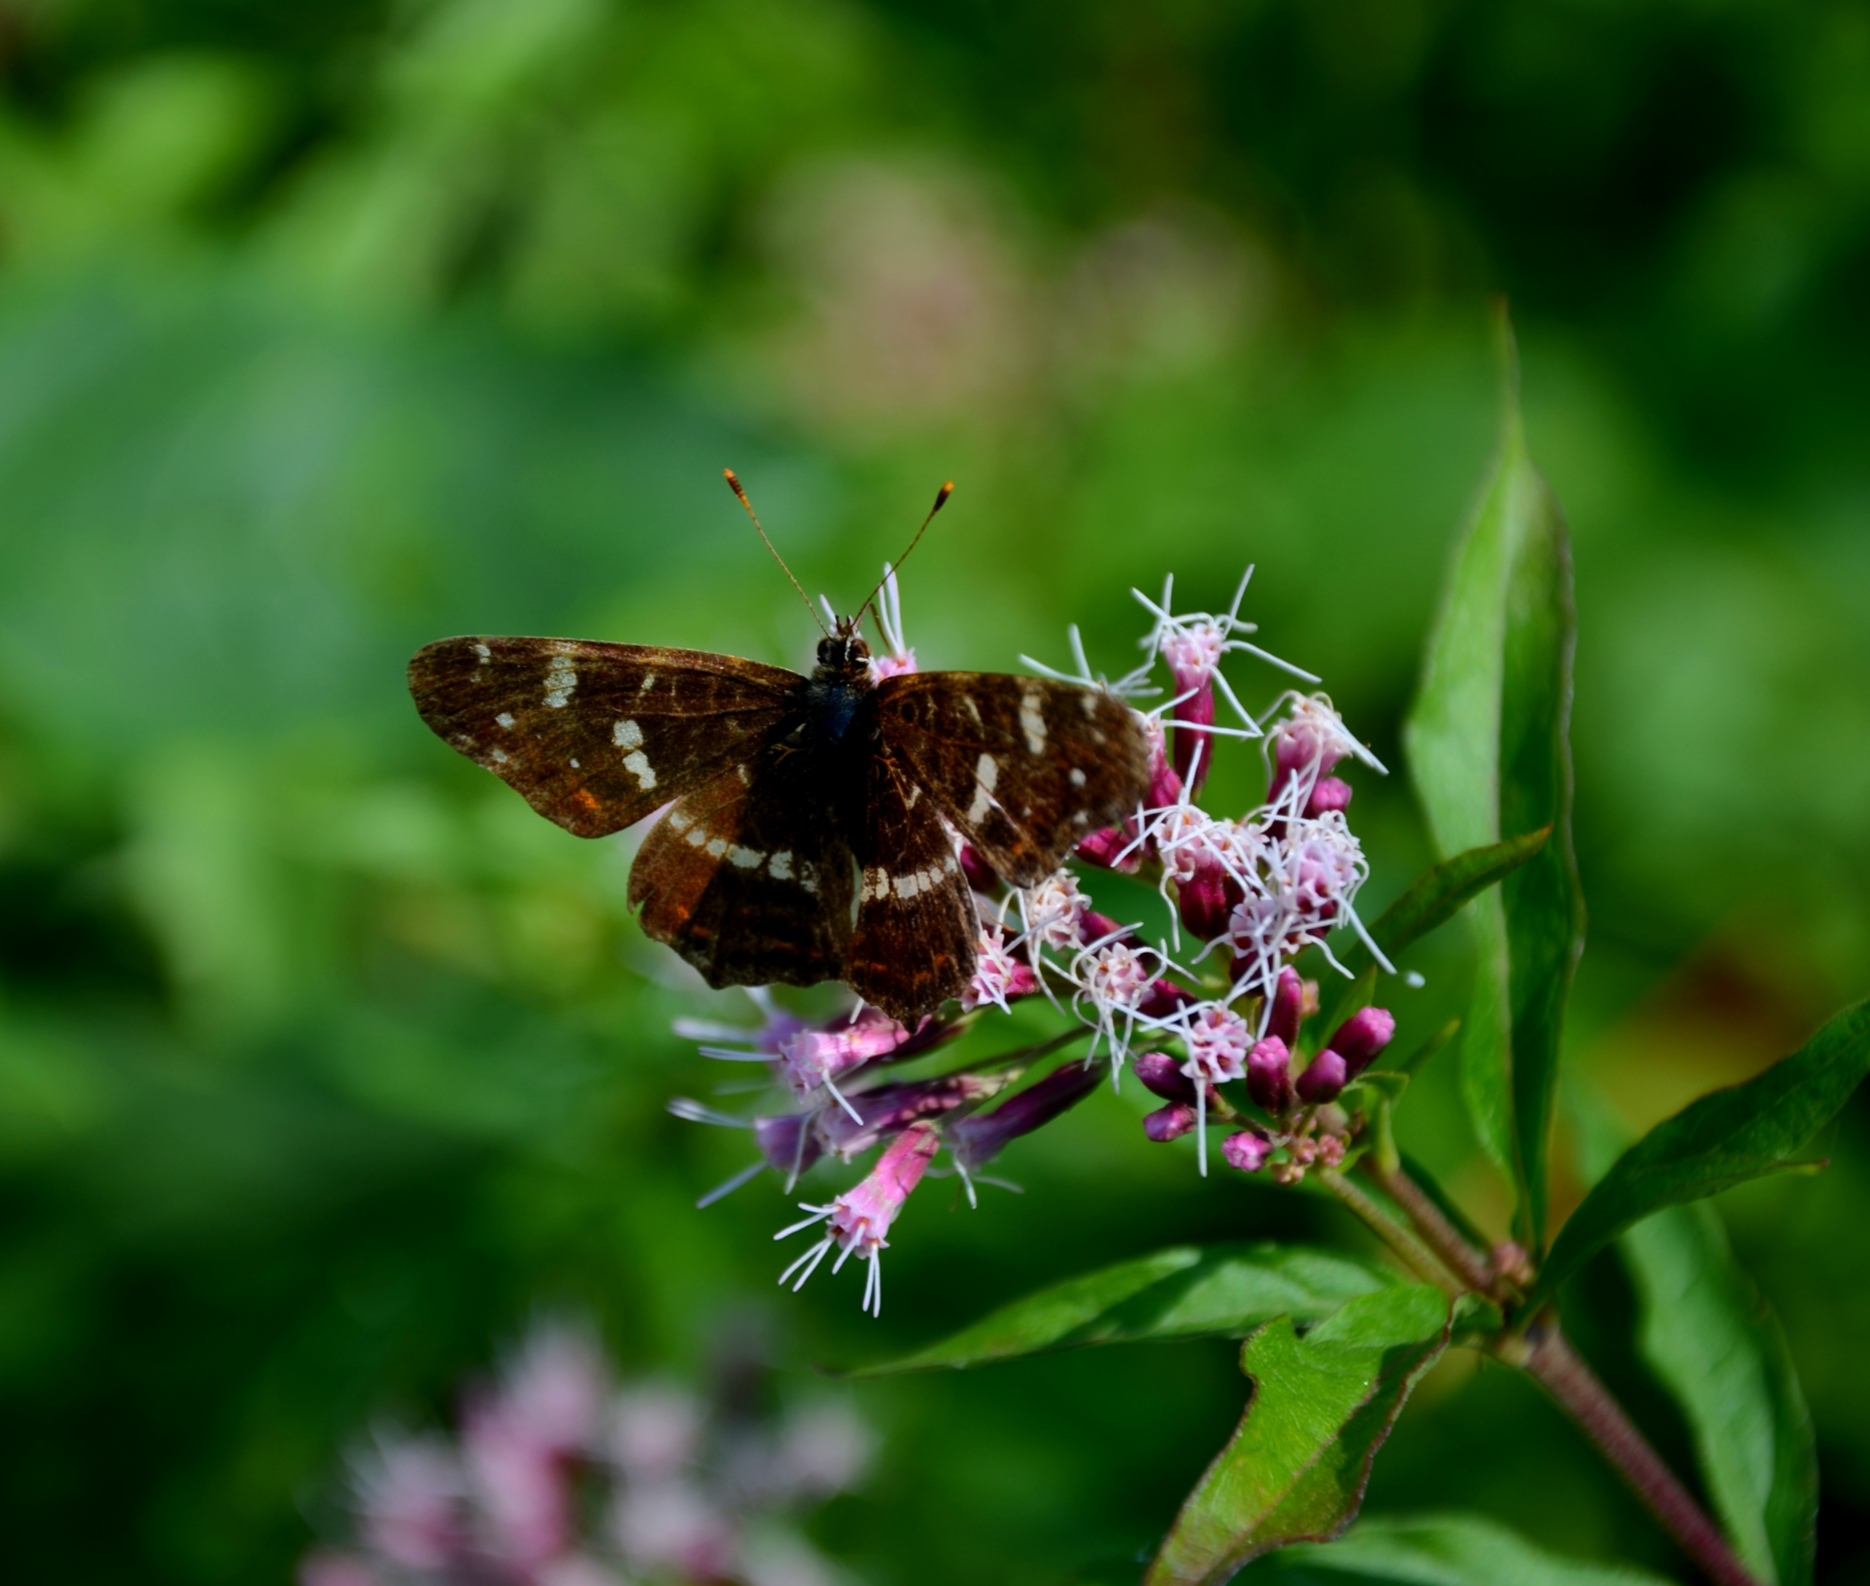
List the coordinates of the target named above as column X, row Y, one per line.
column 1412, row 1251
column 1437, row 1232
column 1562, row 1372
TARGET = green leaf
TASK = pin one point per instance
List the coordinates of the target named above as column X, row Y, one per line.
column 1296, row 1466
column 1488, row 741
column 1434, row 898
column 1724, row 1139
column 1217, row 1291
column 1715, row 1344
column 1435, row 1550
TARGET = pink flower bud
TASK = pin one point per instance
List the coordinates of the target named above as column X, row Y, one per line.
column 1163, row 998
column 979, row 874
column 1170, row 1122
column 1269, row 1075
column 1247, row 1150
column 1360, row 1037
column 1330, row 1150
column 1206, row 899
column 1323, row 1078
column 1111, row 848
column 1162, row 1074
column 1329, row 793
column 1288, row 1007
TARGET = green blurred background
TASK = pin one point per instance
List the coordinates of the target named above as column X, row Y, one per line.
column 328, row 329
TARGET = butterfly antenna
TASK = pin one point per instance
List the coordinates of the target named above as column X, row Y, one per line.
column 941, row 500
column 733, row 484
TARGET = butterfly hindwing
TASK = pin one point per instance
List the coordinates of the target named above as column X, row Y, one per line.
column 916, row 924
column 596, row 736
column 748, row 879
column 1024, row 766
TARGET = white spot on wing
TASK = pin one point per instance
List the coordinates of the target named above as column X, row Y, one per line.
column 627, row 735
column 483, row 652
column 1032, row 722
column 500, row 755
column 638, row 766
column 1077, row 777
column 560, row 680
column 505, row 718
column 649, row 680
column 745, row 858
column 986, row 774
column 972, row 709
column 876, row 883
column 779, row 867
column 717, row 846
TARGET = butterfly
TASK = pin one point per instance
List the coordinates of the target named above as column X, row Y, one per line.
column 807, row 835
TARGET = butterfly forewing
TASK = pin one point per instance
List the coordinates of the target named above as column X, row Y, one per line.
column 916, row 923
column 1025, row 767
column 747, row 879
column 596, row 736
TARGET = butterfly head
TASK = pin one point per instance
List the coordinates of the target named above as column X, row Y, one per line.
column 843, row 654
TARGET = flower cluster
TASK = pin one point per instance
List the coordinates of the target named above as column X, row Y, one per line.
column 561, row 1478
column 1208, row 1019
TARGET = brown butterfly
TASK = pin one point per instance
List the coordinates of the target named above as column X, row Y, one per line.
column 805, row 839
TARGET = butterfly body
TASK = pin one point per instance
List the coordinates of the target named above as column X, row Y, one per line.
column 810, row 834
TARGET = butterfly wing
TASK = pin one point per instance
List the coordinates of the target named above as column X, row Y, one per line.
column 1024, row 766
column 596, row 736
column 914, row 944
column 748, row 879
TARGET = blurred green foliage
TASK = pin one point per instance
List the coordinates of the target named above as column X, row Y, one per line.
column 329, row 329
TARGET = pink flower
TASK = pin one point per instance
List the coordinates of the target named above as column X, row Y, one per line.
column 998, row 976
column 411, row 1498
column 1054, row 910
column 655, row 1431
column 815, row 1057
column 1247, row 1150
column 1218, row 1040
column 858, row 1222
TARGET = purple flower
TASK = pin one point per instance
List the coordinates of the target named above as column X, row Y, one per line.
column 977, row 1139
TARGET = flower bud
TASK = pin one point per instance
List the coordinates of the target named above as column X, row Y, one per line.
column 1323, row 1078
column 889, row 1109
column 1247, row 1150
column 1162, row 1074
column 979, row 873
column 1163, row 998
column 979, row 1138
column 1269, row 1075
column 1170, row 1122
column 1329, row 793
column 1106, row 849
column 1288, row 1007
column 1205, row 899
column 1360, row 1037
